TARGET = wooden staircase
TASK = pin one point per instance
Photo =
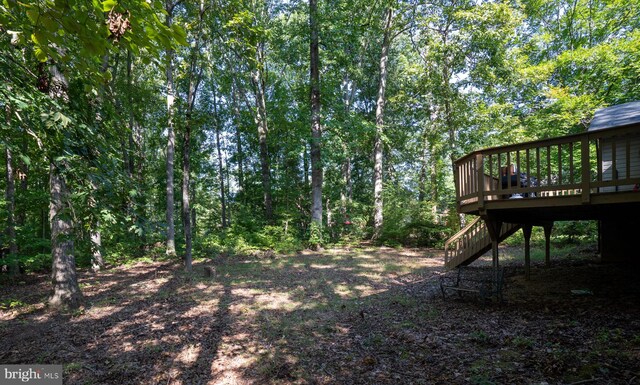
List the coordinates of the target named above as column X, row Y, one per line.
column 471, row 242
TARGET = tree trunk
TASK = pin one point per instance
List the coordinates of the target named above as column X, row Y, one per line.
column 130, row 142
column 261, row 121
column 10, row 198
column 221, row 173
column 239, row 153
column 24, row 181
column 171, row 143
column 378, row 144
column 186, row 208
column 66, row 291
column 194, row 82
column 345, row 193
column 316, row 129
column 97, row 260
column 424, row 166
column 305, row 165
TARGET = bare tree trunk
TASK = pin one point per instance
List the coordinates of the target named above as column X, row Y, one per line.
column 345, row 193
column 194, row 214
column 378, row 144
column 305, row 165
column 10, row 198
column 194, row 82
column 186, row 208
column 171, row 142
column 221, row 174
column 261, row 121
column 24, row 181
column 66, row 291
column 424, row 166
column 239, row 153
column 316, row 129
column 97, row 260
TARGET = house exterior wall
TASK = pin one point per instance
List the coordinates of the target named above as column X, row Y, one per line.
column 607, row 149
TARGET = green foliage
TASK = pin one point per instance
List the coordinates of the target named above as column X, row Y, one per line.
column 9, row 303
column 316, row 237
column 574, row 232
column 412, row 224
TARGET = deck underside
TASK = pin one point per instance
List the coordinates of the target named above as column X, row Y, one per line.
column 534, row 210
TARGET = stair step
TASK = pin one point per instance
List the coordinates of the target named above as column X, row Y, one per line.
column 473, row 241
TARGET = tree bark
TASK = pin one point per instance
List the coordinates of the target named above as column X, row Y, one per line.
column 186, row 208
column 221, row 175
column 97, row 260
column 378, row 144
column 239, row 152
column 261, row 121
column 345, row 193
column 316, row 129
column 24, row 182
column 10, row 198
column 424, row 166
column 66, row 291
column 171, row 142
column 194, row 82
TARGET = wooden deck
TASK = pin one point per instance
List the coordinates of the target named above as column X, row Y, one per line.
column 594, row 175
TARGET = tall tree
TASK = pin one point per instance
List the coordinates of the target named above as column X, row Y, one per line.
column 10, row 198
column 195, row 78
column 221, row 174
column 378, row 147
column 259, row 85
column 316, row 129
column 171, row 136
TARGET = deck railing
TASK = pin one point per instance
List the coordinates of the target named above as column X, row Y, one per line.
column 471, row 242
column 594, row 162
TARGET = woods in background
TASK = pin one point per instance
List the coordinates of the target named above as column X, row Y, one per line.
column 276, row 124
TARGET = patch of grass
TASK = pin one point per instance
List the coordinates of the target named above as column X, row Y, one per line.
column 111, row 300
column 432, row 313
column 72, row 367
column 522, row 342
column 479, row 373
column 11, row 303
column 609, row 335
column 275, row 366
column 404, row 301
column 374, row 340
column 393, row 268
column 480, row 337
column 152, row 348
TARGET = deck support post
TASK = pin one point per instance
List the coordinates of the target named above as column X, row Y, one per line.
column 494, row 227
column 547, row 243
column 526, row 231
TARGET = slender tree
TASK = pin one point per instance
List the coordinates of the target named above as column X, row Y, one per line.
column 258, row 82
column 171, row 137
column 10, row 198
column 316, row 129
column 378, row 146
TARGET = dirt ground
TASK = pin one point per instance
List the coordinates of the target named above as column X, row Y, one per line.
column 343, row 316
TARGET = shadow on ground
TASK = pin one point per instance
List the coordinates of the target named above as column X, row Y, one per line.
column 344, row 316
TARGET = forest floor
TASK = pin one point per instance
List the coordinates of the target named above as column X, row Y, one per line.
column 342, row 316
